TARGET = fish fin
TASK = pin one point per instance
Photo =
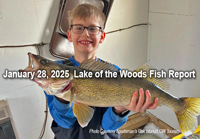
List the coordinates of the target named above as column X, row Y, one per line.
column 71, row 98
column 83, row 113
column 69, row 94
column 93, row 65
column 162, row 83
column 187, row 117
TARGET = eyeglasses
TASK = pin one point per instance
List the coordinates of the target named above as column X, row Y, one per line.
column 93, row 30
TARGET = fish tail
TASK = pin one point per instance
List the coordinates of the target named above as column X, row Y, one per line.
column 187, row 115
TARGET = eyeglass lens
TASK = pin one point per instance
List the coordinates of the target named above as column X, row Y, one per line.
column 79, row 29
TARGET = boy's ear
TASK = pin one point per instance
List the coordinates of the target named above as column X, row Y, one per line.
column 103, row 35
column 69, row 36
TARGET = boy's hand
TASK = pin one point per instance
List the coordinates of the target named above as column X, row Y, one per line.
column 141, row 105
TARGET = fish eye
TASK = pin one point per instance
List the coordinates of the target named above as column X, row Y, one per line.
column 43, row 61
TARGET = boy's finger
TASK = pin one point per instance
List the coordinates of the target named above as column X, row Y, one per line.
column 147, row 101
column 141, row 100
column 132, row 104
column 154, row 105
column 148, row 97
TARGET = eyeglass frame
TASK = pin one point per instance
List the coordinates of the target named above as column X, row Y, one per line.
column 100, row 29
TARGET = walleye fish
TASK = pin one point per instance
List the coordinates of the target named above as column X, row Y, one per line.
column 102, row 92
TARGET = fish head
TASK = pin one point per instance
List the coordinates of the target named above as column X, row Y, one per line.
column 43, row 70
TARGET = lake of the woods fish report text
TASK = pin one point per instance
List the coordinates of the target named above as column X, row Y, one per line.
column 101, row 74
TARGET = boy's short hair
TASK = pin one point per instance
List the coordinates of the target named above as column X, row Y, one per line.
column 83, row 11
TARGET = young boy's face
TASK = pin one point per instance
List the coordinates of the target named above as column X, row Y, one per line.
column 86, row 43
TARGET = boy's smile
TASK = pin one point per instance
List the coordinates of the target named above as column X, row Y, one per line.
column 85, row 44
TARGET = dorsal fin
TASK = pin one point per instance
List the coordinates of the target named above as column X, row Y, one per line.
column 162, row 83
column 93, row 65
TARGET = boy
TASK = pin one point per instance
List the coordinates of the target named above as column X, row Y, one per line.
column 86, row 32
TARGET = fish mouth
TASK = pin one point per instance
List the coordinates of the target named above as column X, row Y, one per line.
column 32, row 65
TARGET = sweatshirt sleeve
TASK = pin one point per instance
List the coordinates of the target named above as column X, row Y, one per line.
column 111, row 121
column 60, row 112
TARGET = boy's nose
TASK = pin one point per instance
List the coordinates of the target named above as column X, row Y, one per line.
column 85, row 32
